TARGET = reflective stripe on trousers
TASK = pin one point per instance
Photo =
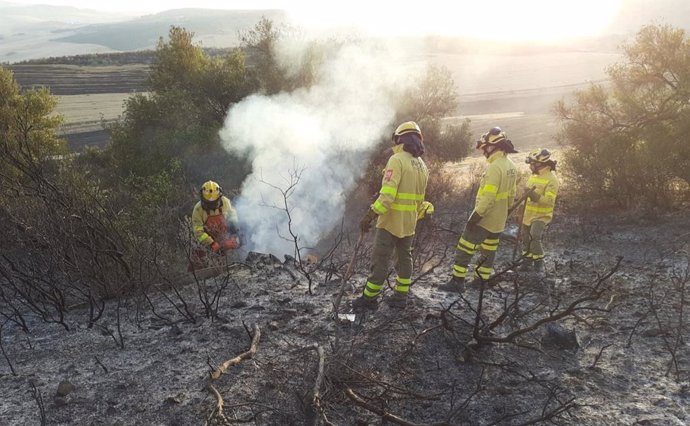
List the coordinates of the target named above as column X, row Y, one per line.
column 532, row 240
column 385, row 246
column 476, row 238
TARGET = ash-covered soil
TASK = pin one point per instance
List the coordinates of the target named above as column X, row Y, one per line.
column 435, row 362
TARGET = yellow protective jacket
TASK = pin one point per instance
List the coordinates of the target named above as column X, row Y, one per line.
column 496, row 192
column 200, row 216
column 402, row 193
column 546, row 184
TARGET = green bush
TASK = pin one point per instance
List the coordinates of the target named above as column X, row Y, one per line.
column 629, row 142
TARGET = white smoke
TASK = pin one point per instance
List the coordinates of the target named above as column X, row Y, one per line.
column 323, row 134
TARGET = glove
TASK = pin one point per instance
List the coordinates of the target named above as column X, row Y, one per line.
column 474, row 219
column 426, row 209
column 365, row 223
column 532, row 195
column 231, row 243
column 215, row 247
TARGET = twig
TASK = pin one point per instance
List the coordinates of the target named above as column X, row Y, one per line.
column 239, row 358
column 316, row 392
column 218, row 409
column 39, row 401
column 98, row 361
column 594, row 294
column 2, row 348
column 348, row 273
column 596, row 358
column 384, row 414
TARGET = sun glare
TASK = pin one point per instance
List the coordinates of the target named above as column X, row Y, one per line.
column 500, row 20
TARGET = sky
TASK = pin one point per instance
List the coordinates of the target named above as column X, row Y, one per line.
column 531, row 20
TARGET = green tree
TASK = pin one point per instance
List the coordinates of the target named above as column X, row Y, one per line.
column 430, row 102
column 261, row 44
column 26, row 119
column 629, row 141
column 179, row 119
column 27, row 131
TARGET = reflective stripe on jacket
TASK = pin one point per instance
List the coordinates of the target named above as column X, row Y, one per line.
column 200, row 217
column 496, row 192
column 402, row 193
column 546, row 183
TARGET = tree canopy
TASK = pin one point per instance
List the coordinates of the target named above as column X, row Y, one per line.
column 189, row 93
column 629, row 140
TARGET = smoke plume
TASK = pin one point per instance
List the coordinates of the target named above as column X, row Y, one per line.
column 320, row 136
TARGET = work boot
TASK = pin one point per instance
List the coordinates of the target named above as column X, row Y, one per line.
column 397, row 300
column 455, row 285
column 539, row 265
column 363, row 303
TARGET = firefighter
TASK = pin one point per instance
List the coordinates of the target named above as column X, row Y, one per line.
column 542, row 187
column 214, row 223
column 399, row 205
column 484, row 226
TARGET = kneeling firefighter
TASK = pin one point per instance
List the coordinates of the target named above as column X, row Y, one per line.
column 214, row 224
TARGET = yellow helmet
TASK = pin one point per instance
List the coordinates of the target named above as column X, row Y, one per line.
column 492, row 137
column 211, row 191
column 541, row 155
column 406, row 127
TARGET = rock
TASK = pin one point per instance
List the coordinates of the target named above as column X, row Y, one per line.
column 557, row 336
column 64, row 388
column 261, row 258
column 59, row 401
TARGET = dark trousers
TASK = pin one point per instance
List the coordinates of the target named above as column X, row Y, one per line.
column 475, row 238
column 385, row 245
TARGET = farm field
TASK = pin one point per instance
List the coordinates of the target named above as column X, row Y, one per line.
column 515, row 91
column 80, row 80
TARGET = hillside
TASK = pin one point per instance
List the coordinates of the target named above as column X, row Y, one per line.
column 217, row 28
column 32, row 32
column 150, row 363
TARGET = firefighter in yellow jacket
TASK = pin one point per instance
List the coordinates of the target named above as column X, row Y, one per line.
column 214, row 223
column 398, row 207
column 538, row 208
column 495, row 195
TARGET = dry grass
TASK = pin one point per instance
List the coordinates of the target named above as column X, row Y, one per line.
column 91, row 107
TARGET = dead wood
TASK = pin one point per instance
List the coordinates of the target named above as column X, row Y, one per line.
column 239, row 358
column 385, row 415
column 346, row 277
column 215, row 375
column 316, row 391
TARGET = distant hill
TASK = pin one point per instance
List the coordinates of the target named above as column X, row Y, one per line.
column 40, row 31
column 218, row 28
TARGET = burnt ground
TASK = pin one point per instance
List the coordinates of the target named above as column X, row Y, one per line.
column 420, row 365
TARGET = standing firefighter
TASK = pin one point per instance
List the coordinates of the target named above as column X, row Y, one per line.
column 398, row 207
column 539, row 207
column 214, row 223
column 495, row 195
